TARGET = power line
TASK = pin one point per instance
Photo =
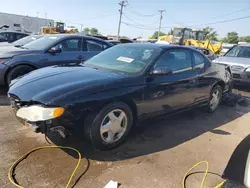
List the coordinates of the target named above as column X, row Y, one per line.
column 218, row 22
column 223, row 21
column 131, row 20
column 130, row 9
column 223, row 15
column 228, row 14
column 145, row 20
column 139, row 27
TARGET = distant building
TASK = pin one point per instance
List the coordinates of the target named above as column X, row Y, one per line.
column 24, row 23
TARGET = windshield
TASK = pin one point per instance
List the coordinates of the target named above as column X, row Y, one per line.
column 177, row 32
column 188, row 34
column 194, row 35
column 125, row 59
column 239, row 51
column 201, row 35
column 41, row 43
column 26, row 40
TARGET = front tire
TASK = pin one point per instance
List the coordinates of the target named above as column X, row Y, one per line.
column 109, row 127
column 214, row 99
column 18, row 71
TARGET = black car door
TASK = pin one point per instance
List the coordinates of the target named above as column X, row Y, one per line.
column 70, row 52
column 173, row 91
column 203, row 81
column 92, row 47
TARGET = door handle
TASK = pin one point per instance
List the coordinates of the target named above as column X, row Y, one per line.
column 79, row 57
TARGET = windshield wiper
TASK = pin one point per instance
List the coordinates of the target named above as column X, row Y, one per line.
column 83, row 65
column 18, row 46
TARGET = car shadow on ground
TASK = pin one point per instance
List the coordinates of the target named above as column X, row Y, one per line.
column 235, row 169
column 3, row 96
column 158, row 134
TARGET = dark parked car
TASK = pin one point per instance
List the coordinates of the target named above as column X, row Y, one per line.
column 111, row 91
column 206, row 52
column 22, row 41
column 11, row 36
column 47, row 51
column 114, row 42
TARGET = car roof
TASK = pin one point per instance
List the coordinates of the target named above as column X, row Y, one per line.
column 157, row 45
column 62, row 35
column 113, row 41
column 244, row 44
column 10, row 31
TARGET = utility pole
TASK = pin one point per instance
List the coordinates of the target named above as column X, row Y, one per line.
column 161, row 11
column 46, row 19
column 81, row 27
column 122, row 4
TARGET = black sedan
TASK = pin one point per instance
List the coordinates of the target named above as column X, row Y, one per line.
column 111, row 91
column 206, row 52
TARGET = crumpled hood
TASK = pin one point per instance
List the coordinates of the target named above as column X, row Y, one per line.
column 238, row 61
column 52, row 83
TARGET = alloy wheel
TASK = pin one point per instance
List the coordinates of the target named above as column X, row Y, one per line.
column 113, row 126
column 215, row 99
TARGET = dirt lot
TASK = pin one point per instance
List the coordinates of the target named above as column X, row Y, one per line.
column 157, row 154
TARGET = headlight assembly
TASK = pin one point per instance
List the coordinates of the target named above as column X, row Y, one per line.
column 38, row 113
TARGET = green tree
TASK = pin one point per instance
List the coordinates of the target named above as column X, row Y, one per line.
column 86, row 30
column 155, row 35
column 232, row 38
column 244, row 39
column 210, row 34
column 94, row 31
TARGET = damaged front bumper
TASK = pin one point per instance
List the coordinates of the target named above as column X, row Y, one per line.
column 63, row 124
column 47, row 127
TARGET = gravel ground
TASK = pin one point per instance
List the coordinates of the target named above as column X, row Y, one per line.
column 157, row 154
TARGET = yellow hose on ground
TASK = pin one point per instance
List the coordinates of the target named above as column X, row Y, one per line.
column 204, row 177
column 79, row 160
column 44, row 147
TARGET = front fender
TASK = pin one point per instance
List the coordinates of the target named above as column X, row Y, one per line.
column 96, row 101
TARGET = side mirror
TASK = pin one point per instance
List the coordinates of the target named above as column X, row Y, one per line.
column 161, row 71
column 54, row 50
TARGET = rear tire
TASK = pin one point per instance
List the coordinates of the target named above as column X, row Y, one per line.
column 214, row 98
column 109, row 127
column 18, row 71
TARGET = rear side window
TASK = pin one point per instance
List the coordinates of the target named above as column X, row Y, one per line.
column 178, row 60
column 199, row 60
column 19, row 36
column 4, row 36
column 93, row 46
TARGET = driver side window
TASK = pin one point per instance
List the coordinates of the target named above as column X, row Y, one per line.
column 70, row 45
column 177, row 60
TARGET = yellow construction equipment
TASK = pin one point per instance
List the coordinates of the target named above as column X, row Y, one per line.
column 177, row 36
column 59, row 27
column 188, row 37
